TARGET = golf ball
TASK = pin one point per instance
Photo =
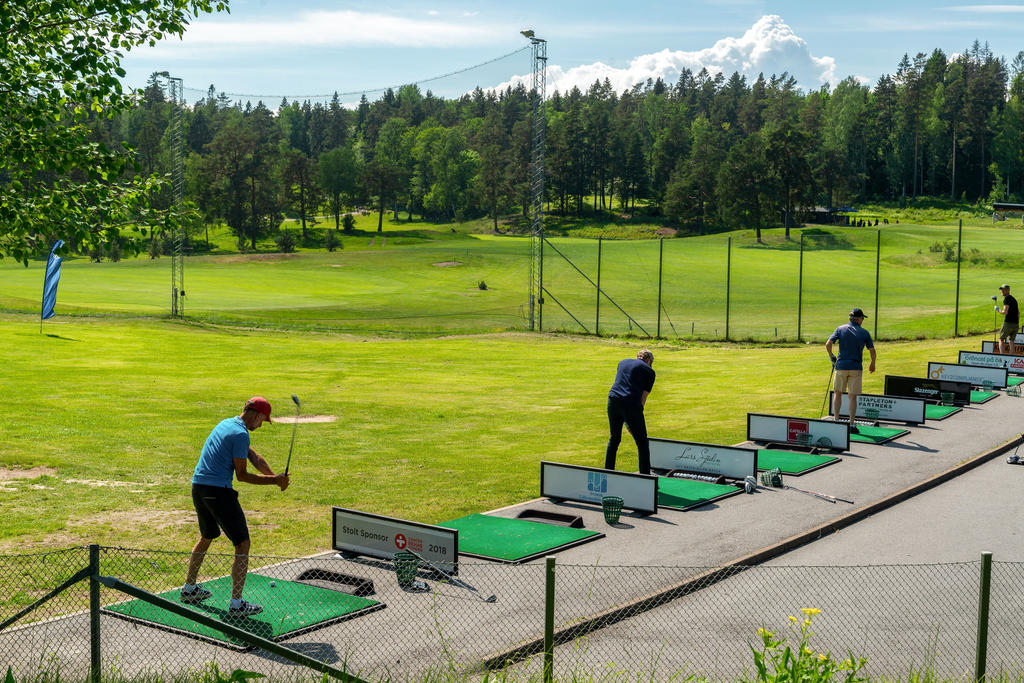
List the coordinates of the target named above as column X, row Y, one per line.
column 273, row 584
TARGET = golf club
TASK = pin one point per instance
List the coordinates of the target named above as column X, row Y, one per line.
column 452, row 580
column 295, row 425
column 995, row 323
column 827, row 387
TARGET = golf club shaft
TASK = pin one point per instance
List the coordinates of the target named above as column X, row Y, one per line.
column 451, row 579
column 295, row 426
column 827, row 387
column 823, row 496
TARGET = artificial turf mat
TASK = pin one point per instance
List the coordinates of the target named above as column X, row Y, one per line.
column 683, row 494
column 982, row 396
column 877, row 435
column 514, row 540
column 289, row 609
column 934, row 412
column 1014, row 381
column 791, row 462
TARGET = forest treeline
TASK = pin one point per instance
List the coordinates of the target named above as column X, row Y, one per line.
column 704, row 152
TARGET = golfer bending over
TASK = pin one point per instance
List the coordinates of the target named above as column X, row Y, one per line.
column 852, row 339
column 226, row 453
column 634, row 380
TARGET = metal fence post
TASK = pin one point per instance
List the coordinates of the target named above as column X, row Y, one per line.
column 956, row 307
column 540, row 279
column 728, row 284
column 597, row 305
column 800, row 292
column 549, row 621
column 981, row 654
column 95, row 660
column 878, row 264
column 661, row 262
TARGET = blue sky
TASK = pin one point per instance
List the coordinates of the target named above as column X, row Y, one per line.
column 304, row 48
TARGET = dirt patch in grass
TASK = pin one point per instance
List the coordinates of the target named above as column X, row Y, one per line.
column 7, row 474
column 446, row 264
column 302, row 419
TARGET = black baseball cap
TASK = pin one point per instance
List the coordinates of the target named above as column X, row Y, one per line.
column 857, row 313
column 1004, row 286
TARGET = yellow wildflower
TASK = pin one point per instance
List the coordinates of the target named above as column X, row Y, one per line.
column 792, row 618
column 810, row 611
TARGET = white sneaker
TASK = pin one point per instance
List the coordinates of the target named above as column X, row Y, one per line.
column 244, row 609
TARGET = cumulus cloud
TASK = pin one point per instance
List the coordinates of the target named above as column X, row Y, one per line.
column 769, row 46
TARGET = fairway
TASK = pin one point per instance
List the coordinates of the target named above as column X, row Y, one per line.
column 423, row 279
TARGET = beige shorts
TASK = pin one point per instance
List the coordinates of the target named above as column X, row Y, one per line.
column 849, row 381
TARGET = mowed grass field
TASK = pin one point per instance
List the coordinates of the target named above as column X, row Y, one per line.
column 114, row 412
column 416, row 279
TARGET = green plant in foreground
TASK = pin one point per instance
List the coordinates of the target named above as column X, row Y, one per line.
column 803, row 664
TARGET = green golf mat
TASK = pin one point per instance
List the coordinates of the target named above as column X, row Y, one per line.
column 792, row 463
column 1014, row 381
column 514, row 540
column 877, row 435
column 934, row 412
column 289, row 609
column 982, row 396
column 683, row 494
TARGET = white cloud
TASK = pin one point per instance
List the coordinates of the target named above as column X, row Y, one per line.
column 769, row 46
column 341, row 28
column 986, row 9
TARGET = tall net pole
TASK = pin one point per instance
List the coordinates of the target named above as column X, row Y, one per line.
column 177, row 140
column 540, row 61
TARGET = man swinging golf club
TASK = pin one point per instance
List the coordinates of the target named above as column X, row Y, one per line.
column 225, row 454
column 634, row 379
column 1011, row 322
column 849, row 370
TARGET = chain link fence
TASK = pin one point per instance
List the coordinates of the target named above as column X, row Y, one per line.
column 609, row 622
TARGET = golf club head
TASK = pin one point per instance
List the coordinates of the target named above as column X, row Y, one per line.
column 993, row 297
column 492, row 598
column 295, row 400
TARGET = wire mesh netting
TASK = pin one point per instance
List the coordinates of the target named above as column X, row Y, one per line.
column 610, row 622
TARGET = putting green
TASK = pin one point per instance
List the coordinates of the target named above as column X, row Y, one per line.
column 289, row 609
column 792, row 463
column 934, row 412
column 683, row 494
column 982, row 396
column 514, row 540
column 877, row 435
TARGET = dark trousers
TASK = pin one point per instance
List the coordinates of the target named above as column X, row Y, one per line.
column 632, row 414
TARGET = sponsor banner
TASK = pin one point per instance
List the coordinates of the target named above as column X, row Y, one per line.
column 703, row 458
column 363, row 533
column 590, row 484
column 1013, row 364
column 930, row 390
column 968, row 373
column 781, row 429
column 889, row 408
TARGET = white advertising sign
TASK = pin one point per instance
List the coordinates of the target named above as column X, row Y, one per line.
column 968, row 373
column 363, row 533
column 781, row 429
column 1013, row 364
column 893, row 408
column 986, row 346
column 728, row 461
column 590, row 484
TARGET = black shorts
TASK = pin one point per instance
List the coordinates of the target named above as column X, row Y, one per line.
column 218, row 509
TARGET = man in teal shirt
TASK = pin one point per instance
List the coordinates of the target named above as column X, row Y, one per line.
column 849, row 369
column 225, row 456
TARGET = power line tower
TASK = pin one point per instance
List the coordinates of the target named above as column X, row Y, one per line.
column 540, row 62
column 177, row 142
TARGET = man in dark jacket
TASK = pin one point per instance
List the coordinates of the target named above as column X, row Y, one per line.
column 634, row 380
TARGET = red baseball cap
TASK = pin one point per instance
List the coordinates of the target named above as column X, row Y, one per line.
column 260, row 405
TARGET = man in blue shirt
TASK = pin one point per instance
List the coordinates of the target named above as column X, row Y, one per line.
column 634, row 379
column 849, row 371
column 225, row 455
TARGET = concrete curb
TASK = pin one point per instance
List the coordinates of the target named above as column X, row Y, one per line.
column 710, row 577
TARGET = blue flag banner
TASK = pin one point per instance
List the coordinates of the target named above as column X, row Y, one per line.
column 50, row 281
